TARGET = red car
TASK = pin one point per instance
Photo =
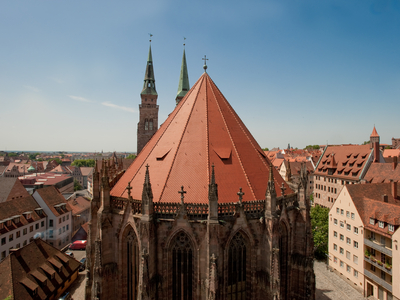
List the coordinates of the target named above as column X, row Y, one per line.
column 78, row 245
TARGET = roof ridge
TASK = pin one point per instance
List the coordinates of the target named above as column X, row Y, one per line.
column 230, row 137
column 177, row 108
column 181, row 137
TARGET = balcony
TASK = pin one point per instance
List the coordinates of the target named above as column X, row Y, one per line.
column 374, row 263
column 378, row 280
column 378, row 246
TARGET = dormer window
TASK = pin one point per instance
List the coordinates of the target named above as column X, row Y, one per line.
column 381, row 224
column 9, row 223
column 391, row 227
column 371, row 221
column 28, row 215
column 16, row 219
column 1, row 225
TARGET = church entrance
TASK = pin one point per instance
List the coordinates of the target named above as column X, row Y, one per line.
column 182, row 268
column 237, row 268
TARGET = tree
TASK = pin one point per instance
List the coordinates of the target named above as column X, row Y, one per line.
column 83, row 163
column 316, row 147
column 77, row 185
column 131, row 156
column 320, row 228
column 12, row 154
column 366, row 142
column 32, row 156
column 265, row 149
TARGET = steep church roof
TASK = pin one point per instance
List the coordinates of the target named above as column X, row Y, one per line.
column 202, row 130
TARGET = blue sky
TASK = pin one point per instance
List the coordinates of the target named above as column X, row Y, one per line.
column 299, row 72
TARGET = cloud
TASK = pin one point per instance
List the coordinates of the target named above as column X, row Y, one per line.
column 32, row 88
column 129, row 109
column 80, row 99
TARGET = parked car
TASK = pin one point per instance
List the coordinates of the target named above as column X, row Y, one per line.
column 82, row 267
column 70, row 254
column 78, row 245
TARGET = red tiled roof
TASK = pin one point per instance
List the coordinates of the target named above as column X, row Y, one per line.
column 11, row 188
column 383, row 172
column 201, row 131
column 52, row 196
column 391, row 152
column 351, row 157
column 368, row 199
column 374, row 133
column 78, row 205
column 25, row 269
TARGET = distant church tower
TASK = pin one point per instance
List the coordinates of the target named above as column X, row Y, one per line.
column 183, row 87
column 148, row 109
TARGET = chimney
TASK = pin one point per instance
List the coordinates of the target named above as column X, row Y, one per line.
column 385, row 198
column 376, row 152
column 394, row 188
column 394, row 162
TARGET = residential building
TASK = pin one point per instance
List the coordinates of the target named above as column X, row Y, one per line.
column 80, row 211
column 383, row 172
column 36, row 271
column 63, row 182
column 21, row 220
column 291, row 171
column 59, row 215
column 11, row 188
column 364, row 238
column 341, row 165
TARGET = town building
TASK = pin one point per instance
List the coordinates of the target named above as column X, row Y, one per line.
column 63, row 182
column 21, row 220
column 341, row 165
column 364, row 238
column 59, row 215
column 11, row 188
column 383, row 172
column 199, row 214
column 291, row 171
column 80, row 211
column 37, row 271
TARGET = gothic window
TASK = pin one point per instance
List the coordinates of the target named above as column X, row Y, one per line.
column 151, row 124
column 146, row 124
column 237, row 268
column 130, row 266
column 283, row 257
column 182, row 268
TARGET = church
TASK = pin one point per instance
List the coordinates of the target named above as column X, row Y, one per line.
column 201, row 213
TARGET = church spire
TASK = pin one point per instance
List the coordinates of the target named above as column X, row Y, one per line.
column 184, row 86
column 149, row 86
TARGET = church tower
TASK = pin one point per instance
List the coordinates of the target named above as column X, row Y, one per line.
column 148, row 109
column 183, row 87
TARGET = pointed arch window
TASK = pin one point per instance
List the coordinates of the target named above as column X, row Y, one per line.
column 182, row 268
column 146, row 124
column 237, row 261
column 283, row 258
column 130, row 265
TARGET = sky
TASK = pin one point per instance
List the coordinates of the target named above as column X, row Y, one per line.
column 300, row 72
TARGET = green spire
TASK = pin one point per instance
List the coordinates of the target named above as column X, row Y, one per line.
column 183, row 80
column 149, row 86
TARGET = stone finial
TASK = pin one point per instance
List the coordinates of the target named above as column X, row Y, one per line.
column 182, row 192
column 240, row 194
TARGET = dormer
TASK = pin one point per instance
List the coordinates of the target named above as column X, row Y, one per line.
column 39, row 211
column 16, row 219
column 28, row 215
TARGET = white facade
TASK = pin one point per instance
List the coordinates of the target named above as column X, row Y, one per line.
column 20, row 236
column 59, row 226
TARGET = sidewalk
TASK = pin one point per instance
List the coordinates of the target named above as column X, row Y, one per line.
column 330, row 286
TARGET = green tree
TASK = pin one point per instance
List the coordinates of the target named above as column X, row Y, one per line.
column 131, row 156
column 32, row 156
column 12, row 154
column 316, row 147
column 77, row 185
column 366, row 142
column 320, row 226
column 83, row 163
column 265, row 149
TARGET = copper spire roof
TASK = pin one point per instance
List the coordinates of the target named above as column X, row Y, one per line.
column 201, row 131
column 149, row 85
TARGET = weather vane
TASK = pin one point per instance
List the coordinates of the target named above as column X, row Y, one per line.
column 184, row 39
column 150, row 36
